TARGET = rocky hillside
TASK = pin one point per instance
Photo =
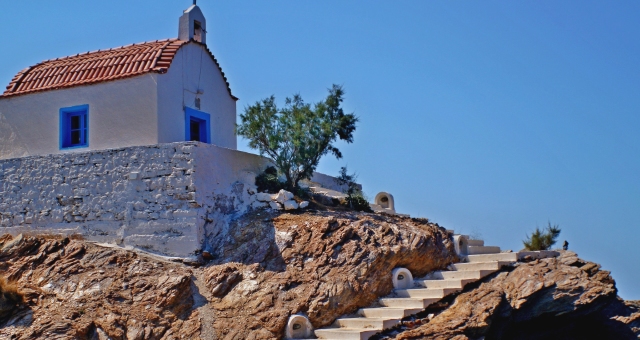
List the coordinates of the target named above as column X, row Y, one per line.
column 554, row 298
column 323, row 264
column 272, row 265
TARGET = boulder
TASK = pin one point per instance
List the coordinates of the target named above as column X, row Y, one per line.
column 290, row 205
column 283, row 196
column 275, row 205
column 264, row 197
column 303, row 204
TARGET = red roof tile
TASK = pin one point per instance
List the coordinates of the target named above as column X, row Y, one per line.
column 99, row 66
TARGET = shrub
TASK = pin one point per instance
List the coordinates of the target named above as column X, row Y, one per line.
column 10, row 297
column 542, row 239
column 359, row 203
column 268, row 181
column 355, row 196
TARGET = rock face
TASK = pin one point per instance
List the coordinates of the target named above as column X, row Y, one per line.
column 273, row 265
column 556, row 298
column 321, row 264
column 78, row 290
column 270, row 267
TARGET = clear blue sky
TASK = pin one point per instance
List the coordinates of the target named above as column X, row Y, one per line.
column 488, row 117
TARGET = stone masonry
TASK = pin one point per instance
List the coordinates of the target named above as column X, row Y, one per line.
column 173, row 199
column 145, row 196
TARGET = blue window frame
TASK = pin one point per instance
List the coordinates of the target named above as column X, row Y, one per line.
column 74, row 127
column 197, row 126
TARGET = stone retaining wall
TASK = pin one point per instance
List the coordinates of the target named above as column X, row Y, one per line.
column 143, row 196
column 172, row 199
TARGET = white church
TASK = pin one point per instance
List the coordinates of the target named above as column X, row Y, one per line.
column 133, row 146
column 142, row 94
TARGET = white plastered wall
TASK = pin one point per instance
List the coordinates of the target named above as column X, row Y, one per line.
column 193, row 69
column 121, row 113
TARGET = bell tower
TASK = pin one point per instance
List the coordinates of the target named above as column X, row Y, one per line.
column 193, row 25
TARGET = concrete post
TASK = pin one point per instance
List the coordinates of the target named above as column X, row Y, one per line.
column 461, row 244
column 402, row 278
column 299, row 327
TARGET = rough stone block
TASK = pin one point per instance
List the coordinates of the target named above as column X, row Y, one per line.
column 290, row 205
column 283, row 196
column 275, row 205
column 264, row 197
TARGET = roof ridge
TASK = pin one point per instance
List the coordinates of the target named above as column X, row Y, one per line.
column 102, row 65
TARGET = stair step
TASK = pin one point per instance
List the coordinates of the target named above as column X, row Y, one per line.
column 424, row 293
column 475, row 250
column 504, row 257
column 388, row 312
column 345, row 333
column 407, row 302
column 367, row 323
column 453, row 275
column 439, row 283
column 492, row 265
column 479, row 243
column 539, row 254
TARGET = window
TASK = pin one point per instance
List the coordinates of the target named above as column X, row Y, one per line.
column 74, row 127
column 197, row 126
column 197, row 31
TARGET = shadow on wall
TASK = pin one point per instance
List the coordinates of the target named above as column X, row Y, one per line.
column 249, row 240
column 11, row 144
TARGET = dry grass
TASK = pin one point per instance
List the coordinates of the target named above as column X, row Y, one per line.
column 10, row 293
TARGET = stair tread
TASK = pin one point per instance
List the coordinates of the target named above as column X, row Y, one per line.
column 368, row 323
column 407, row 298
column 464, row 265
column 511, row 257
column 346, row 330
column 391, row 309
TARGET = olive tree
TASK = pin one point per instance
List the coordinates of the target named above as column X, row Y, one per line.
column 297, row 135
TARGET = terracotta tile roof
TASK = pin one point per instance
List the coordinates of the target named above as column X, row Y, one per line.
column 99, row 66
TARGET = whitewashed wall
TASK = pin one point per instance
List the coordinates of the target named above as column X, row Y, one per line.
column 121, row 113
column 157, row 198
column 193, row 69
column 94, row 194
column 174, row 199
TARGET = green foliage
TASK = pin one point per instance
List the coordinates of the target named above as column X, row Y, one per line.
column 359, row 203
column 355, row 196
column 349, row 180
column 542, row 239
column 268, row 181
column 296, row 136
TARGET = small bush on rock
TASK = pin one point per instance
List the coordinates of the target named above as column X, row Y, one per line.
column 355, row 197
column 10, row 297
column 359, row 203
column 268, row 181
column 542, row 239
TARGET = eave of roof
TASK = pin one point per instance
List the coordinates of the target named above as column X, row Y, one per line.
column 100, row 66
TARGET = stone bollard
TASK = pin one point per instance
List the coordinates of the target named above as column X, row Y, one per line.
column 461, row 245
column 402, row 278
column 385, row 201
column 299, row 327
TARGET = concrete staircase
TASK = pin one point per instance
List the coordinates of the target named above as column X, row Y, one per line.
column 481, row 261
